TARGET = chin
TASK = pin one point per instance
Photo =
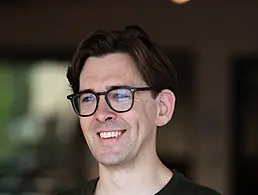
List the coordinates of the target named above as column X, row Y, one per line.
column 110, row 162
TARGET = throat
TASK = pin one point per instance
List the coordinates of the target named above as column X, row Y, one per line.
column 144, row 181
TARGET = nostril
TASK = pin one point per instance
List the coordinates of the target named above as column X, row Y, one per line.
column 108, row 118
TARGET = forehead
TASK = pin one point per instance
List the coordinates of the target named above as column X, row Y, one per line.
column 99, row 73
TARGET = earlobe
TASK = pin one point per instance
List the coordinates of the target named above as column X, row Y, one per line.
column 166, row 104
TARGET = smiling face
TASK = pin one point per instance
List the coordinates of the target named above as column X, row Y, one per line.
column 132, row 133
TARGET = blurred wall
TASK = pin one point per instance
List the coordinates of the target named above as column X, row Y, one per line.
column 215, row 31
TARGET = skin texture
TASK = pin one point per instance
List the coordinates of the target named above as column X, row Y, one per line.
column 132, row 157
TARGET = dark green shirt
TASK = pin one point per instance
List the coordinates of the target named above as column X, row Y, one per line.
column 178, row 185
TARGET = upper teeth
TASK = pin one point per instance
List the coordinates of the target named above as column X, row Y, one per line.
column 110, row 134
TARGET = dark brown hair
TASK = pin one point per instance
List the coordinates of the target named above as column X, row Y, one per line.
column 152, row 63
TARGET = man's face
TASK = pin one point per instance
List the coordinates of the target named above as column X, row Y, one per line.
column 137, row 126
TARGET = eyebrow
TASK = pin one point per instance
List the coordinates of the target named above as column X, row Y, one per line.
column 116, row 86
column 108, row 88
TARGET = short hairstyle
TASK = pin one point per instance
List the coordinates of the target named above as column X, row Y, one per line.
column 152, row 63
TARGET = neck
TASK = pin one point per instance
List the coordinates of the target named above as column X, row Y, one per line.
column 145, row 177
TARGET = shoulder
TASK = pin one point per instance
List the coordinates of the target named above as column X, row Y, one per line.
column 69, row 191
column 186, row 186
column 87, row 188
column 197, row 189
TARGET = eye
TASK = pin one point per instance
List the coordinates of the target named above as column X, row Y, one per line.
column 120, row 96
column 88, row 98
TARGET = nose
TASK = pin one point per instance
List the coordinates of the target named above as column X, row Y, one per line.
column 104, row 112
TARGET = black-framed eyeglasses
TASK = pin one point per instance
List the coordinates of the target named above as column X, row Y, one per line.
column 119, row 99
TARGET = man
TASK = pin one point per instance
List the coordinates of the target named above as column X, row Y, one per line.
column 124, row 88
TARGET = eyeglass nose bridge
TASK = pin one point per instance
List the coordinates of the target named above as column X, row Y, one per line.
column 105, row 93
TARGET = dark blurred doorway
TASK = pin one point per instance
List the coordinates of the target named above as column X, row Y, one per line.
column 245, row 126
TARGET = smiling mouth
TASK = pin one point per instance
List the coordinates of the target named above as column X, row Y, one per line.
column 110, row 134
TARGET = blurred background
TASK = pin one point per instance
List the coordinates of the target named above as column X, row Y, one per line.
column 213, row 45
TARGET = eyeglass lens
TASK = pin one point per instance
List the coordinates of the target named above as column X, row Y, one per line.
column 118, row 99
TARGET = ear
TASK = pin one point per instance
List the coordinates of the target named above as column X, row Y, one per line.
column 166, row 104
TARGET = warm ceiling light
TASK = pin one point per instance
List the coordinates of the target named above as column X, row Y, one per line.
column 180, row 1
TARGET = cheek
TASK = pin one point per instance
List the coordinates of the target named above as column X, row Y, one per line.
column 85, row 123
column 148, row 115
column 151, row 111
column 142, row 115
column 130, row 119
